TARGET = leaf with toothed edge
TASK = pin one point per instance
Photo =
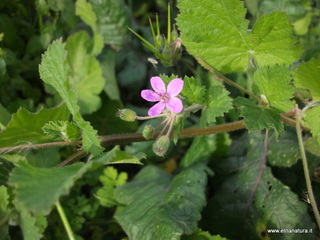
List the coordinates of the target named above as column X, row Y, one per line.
column 217, row 31
column 53, row 70
column 38, row 189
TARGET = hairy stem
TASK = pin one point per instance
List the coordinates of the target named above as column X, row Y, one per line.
column 65, row 221
column 306, row 168
column 137, row 137
column 227, row 80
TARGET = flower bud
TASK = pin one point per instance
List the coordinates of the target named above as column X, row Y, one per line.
column 264, row 99
column 161, row 146
column 148, row 132
column 127, row 115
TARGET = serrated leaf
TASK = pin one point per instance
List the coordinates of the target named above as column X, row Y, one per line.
column 272, row 206
column 283, row 152
column 25, row 127
column 312, row 121
column 256, row 118
column 307, row 76
column 53, row 70
column 37, row 189
column 193, row 91
column 217, row 32
column 112, row 20
column 86, row 75
column 200, row 150
column 217, row 103
column 110, row 179
column 32, row 226
column 274, row 83
column 62, row 130
column 90, row 141
column 167, row 79
column 86, row 13
column 176, row 202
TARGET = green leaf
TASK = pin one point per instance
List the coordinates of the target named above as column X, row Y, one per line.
column 53, row 70
column 256, row 118
column 5, row 117
column 312, row 121
column 37, row 189
column 176, row 201
column 200, row 150
column 217, row 32
column 32, row 225
column 307, row 76
column 109, row 73
column 217, row 103
column 295, row 8
column 274, row 83
column 62, row 130
column 90, row 141
column 25, row 127
column 116, row 156
column 112, row 20
column 86, row 75
column 202, row 235
column 313, row 146
column 123, row 157
column 4, row 213
column 193, row 91
column 110, row 179
column 283, row 152
column 253, row 204
column 86, row 13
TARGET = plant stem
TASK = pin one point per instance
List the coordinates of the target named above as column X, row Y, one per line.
column 137, row 137
column 305, row 168
column 65, row 221
column 227, row 80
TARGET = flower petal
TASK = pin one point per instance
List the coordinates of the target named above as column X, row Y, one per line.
column 174, row 87
column 158, row 85
column 174, row 105
column 150, row 95
column 156, row 109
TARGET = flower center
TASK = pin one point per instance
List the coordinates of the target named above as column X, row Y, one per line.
column 164, row 97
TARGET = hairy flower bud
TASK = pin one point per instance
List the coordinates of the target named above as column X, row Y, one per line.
column 161, row 146
column 127, row 115
column 148, row 132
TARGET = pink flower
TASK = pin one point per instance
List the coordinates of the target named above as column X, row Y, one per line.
column 166, row 97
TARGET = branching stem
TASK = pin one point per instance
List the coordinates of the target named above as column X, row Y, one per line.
column 305, row 168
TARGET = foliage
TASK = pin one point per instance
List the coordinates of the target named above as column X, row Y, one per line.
column 71, row 75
